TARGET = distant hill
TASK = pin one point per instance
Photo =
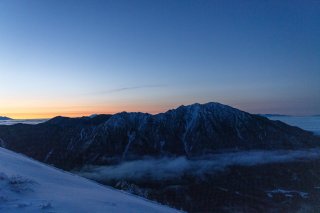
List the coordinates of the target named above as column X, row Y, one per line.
column 3, row 118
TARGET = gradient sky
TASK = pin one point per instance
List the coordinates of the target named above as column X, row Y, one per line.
column 73, row 58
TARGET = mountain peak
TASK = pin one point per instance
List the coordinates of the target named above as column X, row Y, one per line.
column 214, row 109
column 209, row 105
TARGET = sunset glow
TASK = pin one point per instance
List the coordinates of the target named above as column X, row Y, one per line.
column 76, row 58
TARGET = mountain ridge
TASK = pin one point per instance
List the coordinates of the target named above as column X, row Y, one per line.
column 191, row 131
column 207, row 156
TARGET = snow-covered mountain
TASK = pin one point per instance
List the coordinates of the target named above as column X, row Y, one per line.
column 29, row 186
column 172, row 157
column 191, row 131
column 3, row 118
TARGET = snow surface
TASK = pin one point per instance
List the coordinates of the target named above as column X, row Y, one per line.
column 30, row 186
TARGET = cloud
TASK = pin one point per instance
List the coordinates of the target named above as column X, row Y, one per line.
column 22, row 121
column 169, row 168
column 122, row 89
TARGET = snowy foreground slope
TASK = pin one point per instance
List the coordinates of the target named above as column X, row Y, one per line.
column 30, row 186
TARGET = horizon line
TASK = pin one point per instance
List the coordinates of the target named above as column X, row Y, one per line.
column 47, row 116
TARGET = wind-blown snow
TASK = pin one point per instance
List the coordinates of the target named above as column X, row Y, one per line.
column 29, row 186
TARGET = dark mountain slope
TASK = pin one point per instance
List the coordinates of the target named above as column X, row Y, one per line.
column 191, row 131
column 200, row 158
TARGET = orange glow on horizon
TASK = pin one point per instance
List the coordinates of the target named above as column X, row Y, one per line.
column 47, row 113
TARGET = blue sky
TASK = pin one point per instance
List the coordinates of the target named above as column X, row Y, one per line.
column 81, row 57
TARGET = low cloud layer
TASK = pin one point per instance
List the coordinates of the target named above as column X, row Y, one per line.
column 169, row 168
column 22, row 121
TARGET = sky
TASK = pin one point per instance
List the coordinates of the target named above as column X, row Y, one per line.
column 75, row 58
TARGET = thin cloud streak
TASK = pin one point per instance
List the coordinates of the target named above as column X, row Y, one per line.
column 122, row 89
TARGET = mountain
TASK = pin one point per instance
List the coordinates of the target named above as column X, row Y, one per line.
column 198, row 158
column 30, row 186
column 191, row 131
column 2, row 118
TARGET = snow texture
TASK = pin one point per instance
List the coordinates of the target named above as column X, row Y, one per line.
column 29, row 186
column 287, row 193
